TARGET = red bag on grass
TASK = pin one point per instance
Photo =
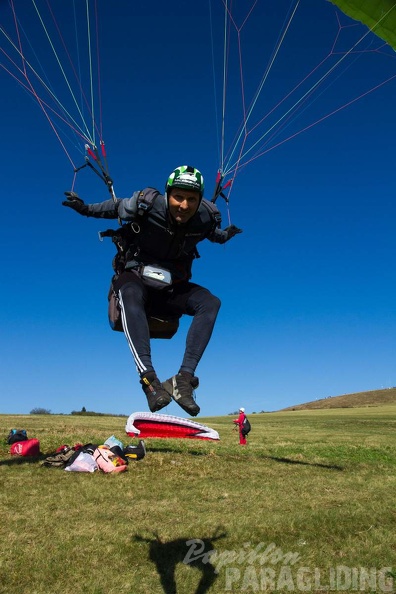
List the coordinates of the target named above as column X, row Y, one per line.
column 29, row 447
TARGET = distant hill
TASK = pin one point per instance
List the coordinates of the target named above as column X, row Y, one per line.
column 360, row 399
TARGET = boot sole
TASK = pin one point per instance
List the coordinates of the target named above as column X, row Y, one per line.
column 160, row 403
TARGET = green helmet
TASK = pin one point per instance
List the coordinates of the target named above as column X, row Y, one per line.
column 187, row 178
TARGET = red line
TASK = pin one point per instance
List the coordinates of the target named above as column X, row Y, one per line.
column 32, row 92
column 70, row 60
column 32, row 88
column 18, row 36
column 248, row 15
column 98, row 72
column 318, row 121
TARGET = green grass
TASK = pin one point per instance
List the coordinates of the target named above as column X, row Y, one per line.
column 316, row 489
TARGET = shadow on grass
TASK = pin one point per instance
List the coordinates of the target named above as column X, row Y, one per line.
column 190, row 551
column 283, row 460
column 175, row 450
column 15, row 460
column 318, row 464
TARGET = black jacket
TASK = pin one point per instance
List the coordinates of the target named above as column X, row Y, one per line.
column 153, row 237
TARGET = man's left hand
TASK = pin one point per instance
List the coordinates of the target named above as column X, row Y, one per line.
column 231, row 231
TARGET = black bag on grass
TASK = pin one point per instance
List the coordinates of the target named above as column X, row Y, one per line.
column 16, row 435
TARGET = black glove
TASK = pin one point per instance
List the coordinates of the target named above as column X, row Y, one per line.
column 231, row 231
column 74, row 201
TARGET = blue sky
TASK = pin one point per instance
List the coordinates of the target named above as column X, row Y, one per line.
column 307, row 290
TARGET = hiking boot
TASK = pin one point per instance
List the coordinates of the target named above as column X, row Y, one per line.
column 157, row 397
column 181, row 388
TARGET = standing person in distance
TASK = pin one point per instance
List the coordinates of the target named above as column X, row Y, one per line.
column 240, row 421
column 164, row 239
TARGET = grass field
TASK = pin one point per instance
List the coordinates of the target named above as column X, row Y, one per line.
column 308, row 505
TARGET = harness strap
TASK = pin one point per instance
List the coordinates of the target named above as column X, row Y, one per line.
column 213, row 211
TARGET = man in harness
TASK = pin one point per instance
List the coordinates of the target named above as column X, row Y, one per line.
column 154, row 271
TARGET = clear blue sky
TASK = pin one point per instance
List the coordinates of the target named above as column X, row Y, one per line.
column 308, row 289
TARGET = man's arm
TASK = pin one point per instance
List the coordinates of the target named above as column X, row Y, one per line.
column 223, row 235
column 123, row 208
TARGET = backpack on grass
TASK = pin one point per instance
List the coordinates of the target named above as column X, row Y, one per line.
column 60, row 459
column 16, row 435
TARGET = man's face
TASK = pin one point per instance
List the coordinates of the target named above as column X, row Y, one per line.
column 183, row 204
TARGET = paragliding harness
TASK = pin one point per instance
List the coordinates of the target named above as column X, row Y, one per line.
column 124, row 239
column 246, row 427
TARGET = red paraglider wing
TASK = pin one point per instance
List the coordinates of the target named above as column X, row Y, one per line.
column 145, row 424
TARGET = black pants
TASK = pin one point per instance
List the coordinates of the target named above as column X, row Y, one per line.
column 137, row 301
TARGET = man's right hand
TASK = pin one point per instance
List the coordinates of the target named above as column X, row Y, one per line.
column 74, row 201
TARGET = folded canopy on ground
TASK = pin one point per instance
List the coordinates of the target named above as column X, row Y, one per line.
column 147, row 424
